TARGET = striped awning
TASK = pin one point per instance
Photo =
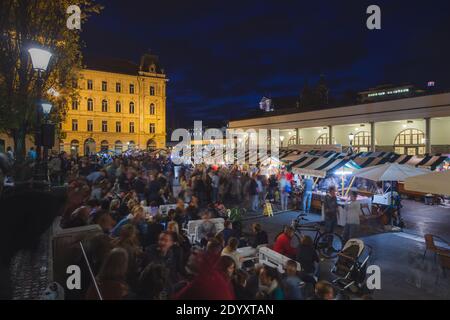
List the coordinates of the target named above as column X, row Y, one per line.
column 321, row 167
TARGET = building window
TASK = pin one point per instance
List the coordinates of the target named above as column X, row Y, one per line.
column 118, row 107
column 118, row 147
column 75, row 83
column 152, row 109
column 152, row 90
column 131, row 145
column 131, row 88
column 90, row 105
column 118, row 126
column 104, row 86
column 293, row 141
column 104, row 146
column 74, row 104
column 74, row 147
column 104, row 106
column 322, row 139
column 118, row 87
column 152, row 128
column 74, row 125
column 90, row 125
column 361, row 141
column 90, row 85
column 410, row 142
column 131, row 107
column 104, row 126
column 131, row 127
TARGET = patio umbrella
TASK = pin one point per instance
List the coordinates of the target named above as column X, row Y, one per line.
column 435, row 183
column 389, row 172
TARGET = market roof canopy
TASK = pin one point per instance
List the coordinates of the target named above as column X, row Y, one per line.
column 321, row 166
column 389, row 172
column 435, row 182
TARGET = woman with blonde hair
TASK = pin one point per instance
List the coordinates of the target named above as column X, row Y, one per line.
column 231, row 251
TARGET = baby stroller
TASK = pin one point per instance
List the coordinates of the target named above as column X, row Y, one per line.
column 351, row 266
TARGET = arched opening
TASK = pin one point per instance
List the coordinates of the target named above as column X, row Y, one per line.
column 151, row 145
column 74, row 147
column 131, row 145
column 118, row 147
column 293, row 141
column 410, row 142
column 89, row 147
column 104, row 146
column 322, row 139
column 361, row 141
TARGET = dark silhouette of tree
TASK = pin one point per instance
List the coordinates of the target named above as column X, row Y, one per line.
column 28, row 23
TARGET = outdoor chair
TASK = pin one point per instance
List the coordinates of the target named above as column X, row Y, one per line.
column 444, row 262
column 431, row 246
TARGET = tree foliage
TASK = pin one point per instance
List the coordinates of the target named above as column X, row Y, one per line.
column 42, row 23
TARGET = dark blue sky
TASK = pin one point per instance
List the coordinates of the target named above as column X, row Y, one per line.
column 223, row 56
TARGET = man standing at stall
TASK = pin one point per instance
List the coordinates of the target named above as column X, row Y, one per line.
column 307, row 194
column 331, row 212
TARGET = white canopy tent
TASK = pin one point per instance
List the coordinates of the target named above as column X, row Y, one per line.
column 435, row 183
column 390, row 172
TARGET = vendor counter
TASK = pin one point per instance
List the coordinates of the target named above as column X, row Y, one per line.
column 319, row 196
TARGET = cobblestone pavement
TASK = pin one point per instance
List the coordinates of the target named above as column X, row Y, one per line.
column 30, row 270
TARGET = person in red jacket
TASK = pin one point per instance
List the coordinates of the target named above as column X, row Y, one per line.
column 282, row 244
column 210, row 284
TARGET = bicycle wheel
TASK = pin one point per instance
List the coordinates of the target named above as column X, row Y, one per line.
column 329, row 245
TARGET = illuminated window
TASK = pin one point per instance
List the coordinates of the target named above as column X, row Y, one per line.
column 104, row 146
column 74, row 105
column 90, row 125
column 104, row 86
column 118, row 147
column 90, row 105
column 152, row 90
column 90, row 84
column 131, row 107
column 322, row 139
column 293, row 140
column 410, row 142
column 118, row 126
column 118, row 107
column 118, row 87
column 152, row 128
column 74, row 125
column 152, row 109
column 131, row 88
column 361, row 141
column 104, row 106
column 131, row 127
column 104, row 126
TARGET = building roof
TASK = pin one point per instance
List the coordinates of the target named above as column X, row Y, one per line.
column 122, row 66
column 108, row 64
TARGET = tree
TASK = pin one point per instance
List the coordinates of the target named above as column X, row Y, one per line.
column 27, row 23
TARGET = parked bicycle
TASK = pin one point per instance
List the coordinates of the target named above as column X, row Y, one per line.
column 328, row 244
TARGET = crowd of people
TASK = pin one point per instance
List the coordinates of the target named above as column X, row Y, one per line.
column 145, row 254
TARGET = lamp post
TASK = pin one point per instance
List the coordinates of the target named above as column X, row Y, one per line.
column 46, row 109
column 40, row 59
column 351, row 137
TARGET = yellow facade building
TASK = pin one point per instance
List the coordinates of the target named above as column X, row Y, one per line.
column 121, row 106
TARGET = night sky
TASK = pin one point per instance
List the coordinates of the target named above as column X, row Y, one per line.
column 222, row 56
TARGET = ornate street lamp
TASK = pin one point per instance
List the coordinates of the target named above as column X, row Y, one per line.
column 40, row 59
